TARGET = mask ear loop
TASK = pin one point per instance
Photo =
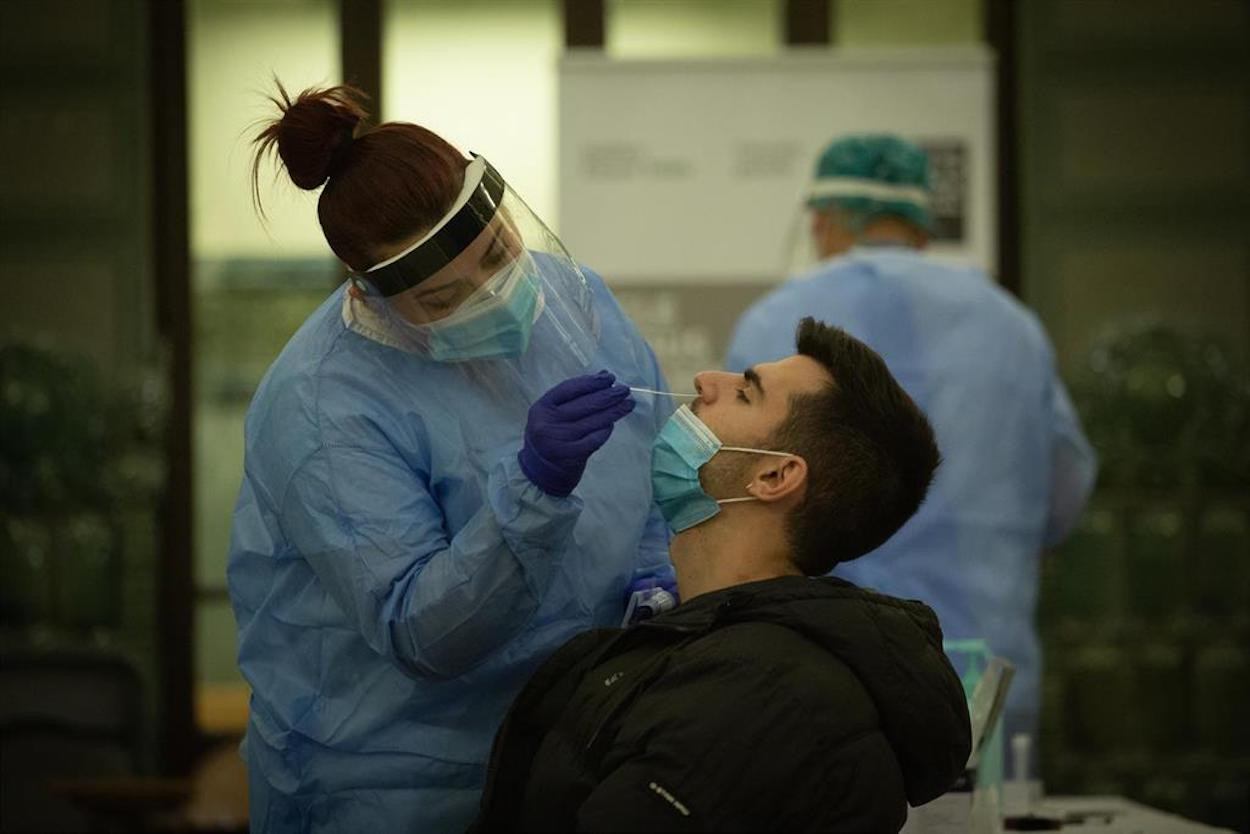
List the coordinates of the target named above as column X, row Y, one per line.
column 756, row 451
column 748, row 486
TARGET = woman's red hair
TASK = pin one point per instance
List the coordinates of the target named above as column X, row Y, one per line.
column 383, row 185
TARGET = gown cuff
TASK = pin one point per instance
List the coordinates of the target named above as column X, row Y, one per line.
column 534, row 523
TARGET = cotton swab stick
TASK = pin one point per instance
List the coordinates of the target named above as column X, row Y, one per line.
column 661, row 393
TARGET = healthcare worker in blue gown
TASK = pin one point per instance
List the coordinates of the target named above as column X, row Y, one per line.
column 1016, row 469
column 446, row 477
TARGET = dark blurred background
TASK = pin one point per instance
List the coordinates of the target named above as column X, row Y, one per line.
column 143, row 301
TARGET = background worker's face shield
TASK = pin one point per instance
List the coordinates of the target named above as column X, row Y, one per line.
column 827, row 226
column 858, row 179
column 819, row 230
column 489, row 286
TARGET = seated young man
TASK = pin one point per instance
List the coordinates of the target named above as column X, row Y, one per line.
column 768, row 700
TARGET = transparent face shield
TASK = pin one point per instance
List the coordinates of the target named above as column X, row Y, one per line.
column 801, row 252
column 489, row 289
column 832, row 211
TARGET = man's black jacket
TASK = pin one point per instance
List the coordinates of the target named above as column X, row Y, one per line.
column 790, row 704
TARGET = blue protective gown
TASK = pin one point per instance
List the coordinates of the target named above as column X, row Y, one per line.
column 1016, row 469
column 396, row 578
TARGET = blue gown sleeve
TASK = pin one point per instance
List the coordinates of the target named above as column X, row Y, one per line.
column 374, row 535
column 1074, row 466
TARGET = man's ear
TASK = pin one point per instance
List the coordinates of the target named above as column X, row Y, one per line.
column 778, row 478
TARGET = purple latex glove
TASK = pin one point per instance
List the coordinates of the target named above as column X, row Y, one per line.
column 567, row 425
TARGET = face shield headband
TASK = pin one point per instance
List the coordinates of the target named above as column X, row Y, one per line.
column 834, row 187
column 469, row 215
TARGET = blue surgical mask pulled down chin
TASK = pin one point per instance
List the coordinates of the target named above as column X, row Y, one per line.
column 497, row 325
column 681, row 449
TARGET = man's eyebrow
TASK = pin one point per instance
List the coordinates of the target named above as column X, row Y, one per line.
column 754, row 379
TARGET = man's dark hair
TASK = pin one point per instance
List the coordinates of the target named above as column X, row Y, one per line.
column 869, row 449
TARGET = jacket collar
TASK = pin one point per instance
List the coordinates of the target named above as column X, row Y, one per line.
column 707, row 611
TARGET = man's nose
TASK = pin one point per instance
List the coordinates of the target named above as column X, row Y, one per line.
column 703, row 387
column 709, row 385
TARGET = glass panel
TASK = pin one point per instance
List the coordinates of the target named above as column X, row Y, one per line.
column 215, row 642
column 907, row 22
column 481, row 74
column 691, row 28
column 253, row 283
column 84, row 406
column 234, row 51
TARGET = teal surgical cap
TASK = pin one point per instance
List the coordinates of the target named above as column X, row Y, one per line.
column 873, row 174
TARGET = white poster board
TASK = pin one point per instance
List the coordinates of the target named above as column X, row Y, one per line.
column 693, row 170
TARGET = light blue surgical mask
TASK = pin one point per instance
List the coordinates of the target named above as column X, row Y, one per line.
column 681, row 449
column 495, row 325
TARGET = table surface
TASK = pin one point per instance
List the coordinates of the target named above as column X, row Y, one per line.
column 1117, row 815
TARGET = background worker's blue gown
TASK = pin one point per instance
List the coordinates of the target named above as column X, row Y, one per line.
column 1016, row 469
column 396, row 578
